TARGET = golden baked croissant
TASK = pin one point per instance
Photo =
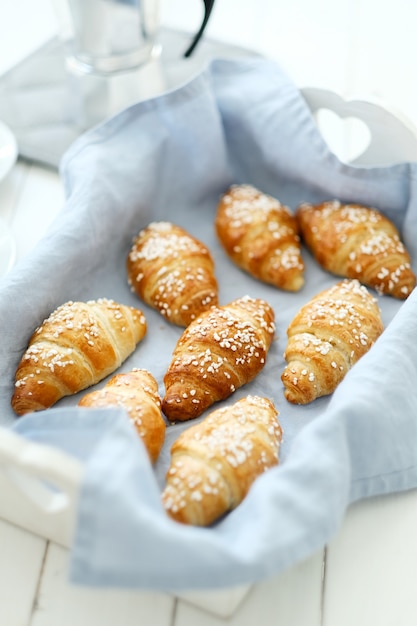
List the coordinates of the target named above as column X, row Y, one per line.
column 214, row 463
column 326, row 338
column 223, row 349
column 137, row 392
column 172, row 272
column 355, row 241
column 261, row 236
column 77, row 346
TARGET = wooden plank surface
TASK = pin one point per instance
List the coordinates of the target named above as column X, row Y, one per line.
column 60, row 603
column 21, row 560
column 371, row 568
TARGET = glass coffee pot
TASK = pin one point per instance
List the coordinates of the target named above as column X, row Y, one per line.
column 108, row 36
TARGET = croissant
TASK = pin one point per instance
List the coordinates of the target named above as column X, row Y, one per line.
column 326, row 338
column 214, row 463
column 261, row 236
column 137, row 392
column 225, row 348
column 77, row 346
column 355, row 241
column 172, row 272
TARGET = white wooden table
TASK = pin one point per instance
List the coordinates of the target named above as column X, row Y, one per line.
column 366, row 576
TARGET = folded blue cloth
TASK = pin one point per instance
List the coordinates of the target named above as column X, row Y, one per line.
column 170, row 158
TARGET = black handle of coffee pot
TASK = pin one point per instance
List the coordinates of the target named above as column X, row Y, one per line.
column 208, row 5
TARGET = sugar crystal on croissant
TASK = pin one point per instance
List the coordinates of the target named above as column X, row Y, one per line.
column 327, row 337
column 173, row 272
column 77, row 346
column 261, row 236
column 223, row 349
column 355, row 241
column 214, row 463
column 137, row 392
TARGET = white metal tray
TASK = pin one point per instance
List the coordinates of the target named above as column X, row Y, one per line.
column 25, row 466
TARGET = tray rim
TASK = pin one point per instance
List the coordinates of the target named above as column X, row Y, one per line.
column 23, row 463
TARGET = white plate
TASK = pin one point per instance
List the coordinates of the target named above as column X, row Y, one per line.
column 8, row 150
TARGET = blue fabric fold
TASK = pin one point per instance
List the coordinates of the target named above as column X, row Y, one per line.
column 170, row 158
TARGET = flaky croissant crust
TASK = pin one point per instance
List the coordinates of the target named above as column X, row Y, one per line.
column 214, row 463
column 355, row 241
column 326, row 338
column 137, row 392
column 223, row 349
column 261, row 236
column 77, row 346
column 173, row 272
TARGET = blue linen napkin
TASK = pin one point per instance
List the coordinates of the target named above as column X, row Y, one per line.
column 170, row 158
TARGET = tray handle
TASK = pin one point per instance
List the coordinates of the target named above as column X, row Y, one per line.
column 393, row 137
column 46, row 475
